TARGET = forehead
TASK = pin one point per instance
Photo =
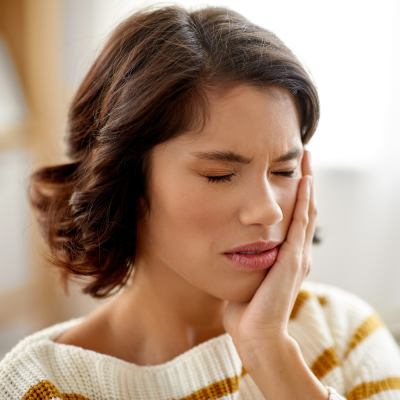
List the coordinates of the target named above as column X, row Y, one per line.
column 247, row 116
column 248, row 121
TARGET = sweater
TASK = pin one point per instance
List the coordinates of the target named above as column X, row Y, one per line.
column 342, row 340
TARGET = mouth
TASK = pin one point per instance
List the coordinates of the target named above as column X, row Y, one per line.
column 254, row 256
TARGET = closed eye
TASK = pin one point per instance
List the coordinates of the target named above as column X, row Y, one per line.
column 223, row 178
column 287, row 174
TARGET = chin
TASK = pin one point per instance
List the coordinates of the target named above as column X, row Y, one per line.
column 242, row 294
column 241, row 297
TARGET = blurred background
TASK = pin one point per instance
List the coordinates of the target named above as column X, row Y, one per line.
column 351, row 47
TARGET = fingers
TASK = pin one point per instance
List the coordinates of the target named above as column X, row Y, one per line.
column 298, row 235
column 300, row 220
column 307, row 170
column 306, row 163
column 312, row 212
column 291, row 253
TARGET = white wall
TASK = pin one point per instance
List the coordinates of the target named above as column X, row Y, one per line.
column 14, row 232
column 351, row 47
column 14, row 237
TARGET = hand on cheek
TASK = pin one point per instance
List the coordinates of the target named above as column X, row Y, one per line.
column 259, row 327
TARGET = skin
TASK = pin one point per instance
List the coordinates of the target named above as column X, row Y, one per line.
column 184, row 290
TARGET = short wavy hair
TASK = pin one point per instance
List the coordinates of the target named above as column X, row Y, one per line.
column 148, row 85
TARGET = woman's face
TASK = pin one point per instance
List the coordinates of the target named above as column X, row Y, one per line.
column 230, row 185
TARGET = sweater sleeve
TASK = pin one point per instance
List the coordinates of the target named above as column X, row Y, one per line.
column 369, row 355
column 372, row 363
column 334, row 395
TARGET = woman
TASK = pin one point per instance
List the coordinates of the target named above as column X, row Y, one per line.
column 188, row 168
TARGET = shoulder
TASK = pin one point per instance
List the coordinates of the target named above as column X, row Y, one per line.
column 30, row 362
column 334, row 317
column 364, row 347
column 338, row 303
column 334, row 294
column 350, row 319
column 345, row 343
column 339, row 306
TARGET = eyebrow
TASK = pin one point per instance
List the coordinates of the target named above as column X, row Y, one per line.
column 226, row 156
column 229, row 156
column 289, row 156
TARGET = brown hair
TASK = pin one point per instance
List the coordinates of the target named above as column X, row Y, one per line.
column 148, row 85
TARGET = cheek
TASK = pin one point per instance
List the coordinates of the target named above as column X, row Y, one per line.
column 187, row 215
column 184, row 225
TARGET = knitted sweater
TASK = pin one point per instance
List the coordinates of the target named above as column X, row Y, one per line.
column 341, row 339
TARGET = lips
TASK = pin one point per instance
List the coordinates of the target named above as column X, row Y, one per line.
column 258, row 255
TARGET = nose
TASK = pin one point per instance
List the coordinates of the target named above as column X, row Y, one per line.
column 260, row 206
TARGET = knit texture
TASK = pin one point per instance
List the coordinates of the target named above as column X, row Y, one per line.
column 342, row 341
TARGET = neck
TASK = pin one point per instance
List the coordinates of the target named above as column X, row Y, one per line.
column 161, row 315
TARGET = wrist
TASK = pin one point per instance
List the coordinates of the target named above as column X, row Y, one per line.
column 280, row 372
column 269, row 353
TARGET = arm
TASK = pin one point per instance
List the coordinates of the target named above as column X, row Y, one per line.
column 281, row 373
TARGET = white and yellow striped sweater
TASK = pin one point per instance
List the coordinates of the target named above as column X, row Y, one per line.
column 341, row 339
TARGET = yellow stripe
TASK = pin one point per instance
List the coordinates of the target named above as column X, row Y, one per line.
column 215, row 390
column 322, row 300
column 45, row 390
column 369, row 326
column 325, row 363
column 301, row 298
column 368, row 389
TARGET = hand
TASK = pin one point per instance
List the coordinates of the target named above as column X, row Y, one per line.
column 261, row 324
column 259, row 327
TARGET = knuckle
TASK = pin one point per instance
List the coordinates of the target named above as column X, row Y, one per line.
column 298, row 264
column 314, row 211
column 305, row 220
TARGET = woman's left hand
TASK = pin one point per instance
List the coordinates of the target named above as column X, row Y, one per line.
column 259, row 327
